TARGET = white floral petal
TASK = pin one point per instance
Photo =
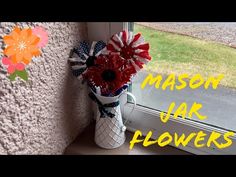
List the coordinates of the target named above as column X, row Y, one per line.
column 76, row 59
column 75, row 67
column 130, row 37
column 141, row 59
column 92, row 48
column 136, row 67
column 138, row 42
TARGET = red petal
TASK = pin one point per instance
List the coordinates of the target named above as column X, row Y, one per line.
column 136, row 37
column 144, row 54
column 110, row 47
column 140, row 65
column 124, row 37
column 143, row 46
column 117, row 43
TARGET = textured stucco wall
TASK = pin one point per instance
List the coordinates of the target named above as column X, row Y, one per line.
column 43, row 115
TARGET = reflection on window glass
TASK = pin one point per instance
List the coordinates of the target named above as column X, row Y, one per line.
column 208, row 49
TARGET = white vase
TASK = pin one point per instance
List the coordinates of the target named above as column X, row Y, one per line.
column 109, row 131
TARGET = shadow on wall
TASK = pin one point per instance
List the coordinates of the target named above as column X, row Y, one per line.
column 76, row 104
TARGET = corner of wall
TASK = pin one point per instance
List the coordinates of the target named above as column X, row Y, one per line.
column 44, row 114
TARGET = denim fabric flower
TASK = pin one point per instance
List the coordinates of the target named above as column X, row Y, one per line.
column 83, row 57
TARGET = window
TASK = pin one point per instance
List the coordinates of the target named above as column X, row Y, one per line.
column 201, row 50
column 177, row 48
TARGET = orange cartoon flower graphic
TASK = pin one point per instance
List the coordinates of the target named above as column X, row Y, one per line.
column 22, row 45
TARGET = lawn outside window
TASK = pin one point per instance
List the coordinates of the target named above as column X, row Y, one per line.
column 175, row 51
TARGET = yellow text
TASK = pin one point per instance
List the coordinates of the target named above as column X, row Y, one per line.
column 181, row 81
column 199, row 139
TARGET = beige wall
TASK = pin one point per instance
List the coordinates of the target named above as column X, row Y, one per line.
column 43, row 115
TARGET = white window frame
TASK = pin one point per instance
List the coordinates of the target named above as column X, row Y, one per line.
column 145, row 119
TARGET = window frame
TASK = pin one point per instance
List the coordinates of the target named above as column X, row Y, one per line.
column 145, row 119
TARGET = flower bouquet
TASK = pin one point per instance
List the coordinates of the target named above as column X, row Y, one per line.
column 21, row 45
column 107, row 69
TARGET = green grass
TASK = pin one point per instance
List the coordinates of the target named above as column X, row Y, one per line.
column 173, row 53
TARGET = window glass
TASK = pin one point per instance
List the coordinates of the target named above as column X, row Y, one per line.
column 205, row 49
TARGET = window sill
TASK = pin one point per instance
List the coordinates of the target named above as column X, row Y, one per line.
column 85, row 145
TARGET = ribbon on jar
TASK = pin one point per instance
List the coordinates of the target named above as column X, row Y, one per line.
column 102, row 107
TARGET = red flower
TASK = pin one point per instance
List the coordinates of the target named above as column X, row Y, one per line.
column 108, row 73
column 130, row 47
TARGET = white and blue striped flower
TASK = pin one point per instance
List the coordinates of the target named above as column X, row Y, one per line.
column 83, row 56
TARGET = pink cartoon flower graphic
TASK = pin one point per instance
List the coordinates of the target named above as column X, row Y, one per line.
column 11, row 67
column 14, row 70
column 21, row 45
column 42, row 34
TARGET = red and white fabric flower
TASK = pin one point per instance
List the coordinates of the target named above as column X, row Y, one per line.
column 130, row 47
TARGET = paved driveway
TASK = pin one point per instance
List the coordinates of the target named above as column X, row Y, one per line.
column 219, row 32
